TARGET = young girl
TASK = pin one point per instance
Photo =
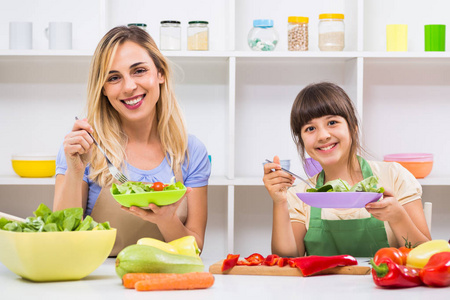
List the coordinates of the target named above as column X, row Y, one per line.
column 324, row 125
column 134, row 115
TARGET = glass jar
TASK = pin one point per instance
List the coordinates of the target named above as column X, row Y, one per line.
column 198, row 35
column 140, row 25
column 262, row 37
column 170, row 35
column 298, row 33
column 331, row 32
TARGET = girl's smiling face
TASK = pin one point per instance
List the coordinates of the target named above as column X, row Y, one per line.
column 327, row 139
column 133, row 83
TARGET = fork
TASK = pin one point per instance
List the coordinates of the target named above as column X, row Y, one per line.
column 112, row 169
column 295, row 175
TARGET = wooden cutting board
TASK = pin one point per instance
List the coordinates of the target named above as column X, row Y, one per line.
column 285, row 271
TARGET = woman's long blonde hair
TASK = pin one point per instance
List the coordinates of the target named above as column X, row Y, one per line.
column 106, row 121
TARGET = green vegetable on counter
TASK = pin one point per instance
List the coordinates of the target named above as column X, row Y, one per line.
column 367, row 185
column 44, row 220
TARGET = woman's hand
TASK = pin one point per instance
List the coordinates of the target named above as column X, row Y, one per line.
column 158, row 215
column 387, row 209
column 77, row 146
column 277, row 182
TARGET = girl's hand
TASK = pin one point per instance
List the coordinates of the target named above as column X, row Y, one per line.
column 387, row 209
column 77, row 146
column 277, row 182
column 158, row 214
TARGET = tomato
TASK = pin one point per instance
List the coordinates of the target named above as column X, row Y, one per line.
column 405, row 250
column 394, row 254
column 158, row 186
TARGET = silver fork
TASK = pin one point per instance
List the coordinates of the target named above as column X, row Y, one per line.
column 295, row 175
column 112, row 169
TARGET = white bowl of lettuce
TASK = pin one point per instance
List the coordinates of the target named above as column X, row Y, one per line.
column 339, row 194
column 55, row 246
column 140, row 194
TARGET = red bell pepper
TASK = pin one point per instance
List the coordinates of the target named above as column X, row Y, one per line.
column 230, row 261
column 271, row 259
column 388, row 274
column 255, row 259
column 437, row 271
column 394, row 254
column 282, row 261
column 309, row 265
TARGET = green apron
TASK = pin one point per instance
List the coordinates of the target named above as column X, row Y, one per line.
column 358, row 237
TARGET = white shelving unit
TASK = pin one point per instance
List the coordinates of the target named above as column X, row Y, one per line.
column 244, row 97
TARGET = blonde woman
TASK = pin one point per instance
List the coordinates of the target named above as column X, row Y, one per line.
column 134, row 115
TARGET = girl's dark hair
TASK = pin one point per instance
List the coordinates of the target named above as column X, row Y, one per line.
column 323, row 99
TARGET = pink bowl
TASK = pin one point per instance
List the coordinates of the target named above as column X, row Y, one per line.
column 312, row 167
column 339, row 199
column 409, row 157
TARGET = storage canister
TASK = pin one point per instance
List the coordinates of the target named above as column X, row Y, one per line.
column 298, row 33
column 198, row 35
column 262, row 37
column 170, row 35
column 331, row 32
column 143, row 26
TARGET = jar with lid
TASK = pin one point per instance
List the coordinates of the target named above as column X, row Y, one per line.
column 298, row 33
column 198, row 35
column 170, row 35
column 262, row 37
column 331, row 32
column 143, row 26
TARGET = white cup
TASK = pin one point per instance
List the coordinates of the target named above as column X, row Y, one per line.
column 59, row 35
column 20, row 35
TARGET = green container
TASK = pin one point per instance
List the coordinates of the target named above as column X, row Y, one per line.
column 434, row 37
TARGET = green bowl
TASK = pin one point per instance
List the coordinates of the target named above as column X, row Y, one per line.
column 144, row 199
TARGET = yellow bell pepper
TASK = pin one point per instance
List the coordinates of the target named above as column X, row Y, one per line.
column 419, row 256
column 158, row 244
column 186, row 245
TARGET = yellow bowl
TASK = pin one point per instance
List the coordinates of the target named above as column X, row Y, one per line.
column 55, row 256
column 34, row 165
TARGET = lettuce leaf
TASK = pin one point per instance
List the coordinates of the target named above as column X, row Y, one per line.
column 367, row 185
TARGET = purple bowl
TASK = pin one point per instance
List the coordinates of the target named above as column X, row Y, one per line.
column 339, row 199
column 312, row 167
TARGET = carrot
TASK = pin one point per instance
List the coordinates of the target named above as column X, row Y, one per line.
column 165, row 282
column 130, row 279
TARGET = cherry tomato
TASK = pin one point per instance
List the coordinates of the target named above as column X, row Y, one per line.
column 392, row 253
column 158, row 186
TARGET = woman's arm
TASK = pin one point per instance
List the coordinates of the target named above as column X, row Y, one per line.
column 70, row 191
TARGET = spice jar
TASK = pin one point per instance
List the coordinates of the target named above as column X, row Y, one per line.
column 198, row 35
column 170, row 35
column 331, row 32
column 298, row 33
column 262, row 37
column 143, row 26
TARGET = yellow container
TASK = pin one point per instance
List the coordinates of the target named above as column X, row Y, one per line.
column 34, row 165
column 397, row 37
column 55, row 256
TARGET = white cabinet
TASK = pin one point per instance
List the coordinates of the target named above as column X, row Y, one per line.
column 235, row 100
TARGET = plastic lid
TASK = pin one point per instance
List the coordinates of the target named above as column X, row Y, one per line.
column 137, row 24
column 331, row 16
column 409, row 157
column 170, row 22
column 197, row 22
column 293, row 19
column 263, row 23
column 33, row 156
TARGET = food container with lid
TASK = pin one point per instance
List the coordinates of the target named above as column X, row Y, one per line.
column 143, row 26
column 298, row 33
column 198, row 35
column 419, row 164
column 331, row 32
column 34, row 165
column 262, row 37
column 170, row 35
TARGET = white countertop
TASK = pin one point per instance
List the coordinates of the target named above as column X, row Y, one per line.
column 103, row 283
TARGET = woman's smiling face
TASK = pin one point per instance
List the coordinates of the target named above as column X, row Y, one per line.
column 133, row 83
column 327, row 139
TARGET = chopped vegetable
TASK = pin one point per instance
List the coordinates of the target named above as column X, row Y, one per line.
column 131, row 187
column 367, row 185
column 419, row 256
column 230, row 261
column 309, row 265
column 70, row 219
column 165, row 282
column 388, row 274
column 437, row 271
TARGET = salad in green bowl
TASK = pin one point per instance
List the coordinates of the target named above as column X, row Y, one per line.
column 141, row 194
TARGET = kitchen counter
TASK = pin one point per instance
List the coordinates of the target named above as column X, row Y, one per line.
column 103, row 283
